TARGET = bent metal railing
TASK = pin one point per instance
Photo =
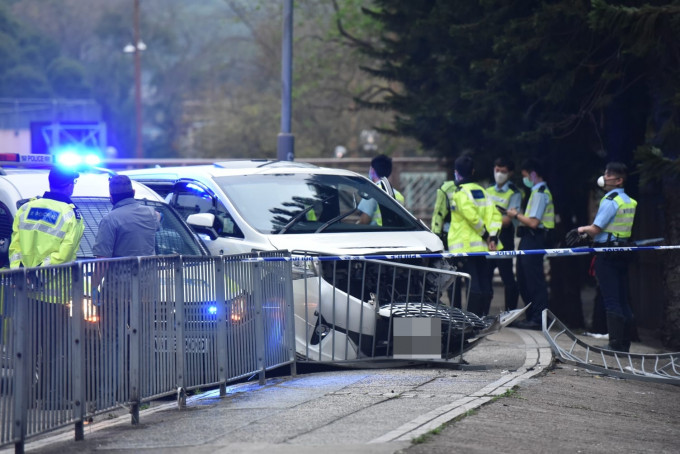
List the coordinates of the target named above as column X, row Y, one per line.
column 663, row 368
column 81, row 339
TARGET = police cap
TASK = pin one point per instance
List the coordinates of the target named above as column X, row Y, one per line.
column 61, row 177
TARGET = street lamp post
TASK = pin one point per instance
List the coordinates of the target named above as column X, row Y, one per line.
column 139, row 152
column 285, row 146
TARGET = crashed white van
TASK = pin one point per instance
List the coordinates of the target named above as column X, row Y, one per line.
column 343, row 308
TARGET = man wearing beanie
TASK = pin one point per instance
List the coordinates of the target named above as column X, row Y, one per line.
column 129, row 229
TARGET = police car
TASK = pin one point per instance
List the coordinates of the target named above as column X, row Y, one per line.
column 91, row 197
column 262, row 205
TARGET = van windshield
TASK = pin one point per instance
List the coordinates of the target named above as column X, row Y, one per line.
column 316, row 203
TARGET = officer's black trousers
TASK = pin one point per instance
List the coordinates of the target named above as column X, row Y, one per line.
column 531, row 276
column 611, row 270
column 505, row 270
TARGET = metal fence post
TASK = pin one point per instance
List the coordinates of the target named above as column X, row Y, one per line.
column 135, row 343
column 179, row 341
column 259, row 321
column 22, row 376
column 78, row 349
column 220, row 299
column 290, row 315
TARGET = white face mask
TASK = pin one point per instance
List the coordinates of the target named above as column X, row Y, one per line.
column 602, row 181
column 500, row 177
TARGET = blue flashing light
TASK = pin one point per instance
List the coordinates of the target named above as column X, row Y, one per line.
column 92, row 160
column 77, row 158
column 69, row 158
column 212, row 310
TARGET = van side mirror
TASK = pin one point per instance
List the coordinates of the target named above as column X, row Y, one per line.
column 203, row 223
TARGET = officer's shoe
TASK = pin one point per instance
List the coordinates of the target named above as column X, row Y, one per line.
column 526, row 324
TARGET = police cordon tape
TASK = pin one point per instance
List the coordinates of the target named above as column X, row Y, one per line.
column 490, row 254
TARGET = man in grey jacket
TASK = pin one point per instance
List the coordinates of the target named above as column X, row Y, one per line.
column 129, row 229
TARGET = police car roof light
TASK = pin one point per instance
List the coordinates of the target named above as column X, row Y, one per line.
column 9, row 157
column 77, row 159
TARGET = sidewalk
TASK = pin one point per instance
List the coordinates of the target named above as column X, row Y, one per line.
column 369, row 410
column 560, row 409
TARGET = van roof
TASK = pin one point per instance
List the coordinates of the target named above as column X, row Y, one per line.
column 228, row 168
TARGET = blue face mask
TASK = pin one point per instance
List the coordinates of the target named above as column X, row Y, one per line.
column 527, row 182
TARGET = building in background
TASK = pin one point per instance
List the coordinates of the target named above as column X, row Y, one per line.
column 33, row 128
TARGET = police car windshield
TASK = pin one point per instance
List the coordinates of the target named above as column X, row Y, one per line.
column 303, row 203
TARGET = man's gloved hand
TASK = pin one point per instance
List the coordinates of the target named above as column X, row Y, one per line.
column 575, row 239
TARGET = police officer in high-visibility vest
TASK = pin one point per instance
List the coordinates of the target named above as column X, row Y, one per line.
column 379, row 172
column 47, row 230
column 612, row 226
column 505, row 195
column 441, row 216
column 534, row 229
column 475, row 224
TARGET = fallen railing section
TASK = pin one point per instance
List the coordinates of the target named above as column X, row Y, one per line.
column 661, row 368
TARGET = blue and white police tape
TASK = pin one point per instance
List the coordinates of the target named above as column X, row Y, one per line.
column 561, row 252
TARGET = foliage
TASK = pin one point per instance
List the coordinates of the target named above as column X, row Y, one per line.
column 31, row 64
column 211, row 73
column 574, row 82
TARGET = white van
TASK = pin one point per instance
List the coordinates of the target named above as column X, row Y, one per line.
column 246, row 206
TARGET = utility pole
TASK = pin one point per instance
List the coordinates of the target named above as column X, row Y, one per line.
column 139, row 152
column 285, row 145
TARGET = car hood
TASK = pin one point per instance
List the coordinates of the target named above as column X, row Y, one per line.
column 359, row 244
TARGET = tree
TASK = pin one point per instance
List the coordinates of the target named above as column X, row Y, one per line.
column 648, row 34
column 573, row 84
column 31, row 65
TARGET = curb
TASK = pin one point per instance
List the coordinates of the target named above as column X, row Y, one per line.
column 538, row 358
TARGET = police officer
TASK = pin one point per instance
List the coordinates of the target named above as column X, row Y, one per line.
column 505, row 195
column 534, row 229
column 475, row 224
column 441, row 217
column 612, row 226
column 379, row 172
column 47, row 230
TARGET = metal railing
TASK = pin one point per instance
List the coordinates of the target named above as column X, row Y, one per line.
column 81, row 339
column 662, row 368
column 345, row 308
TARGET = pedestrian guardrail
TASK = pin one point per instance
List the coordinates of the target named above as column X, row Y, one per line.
column 345, row 308
column 661, row 368
column 81, row 339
